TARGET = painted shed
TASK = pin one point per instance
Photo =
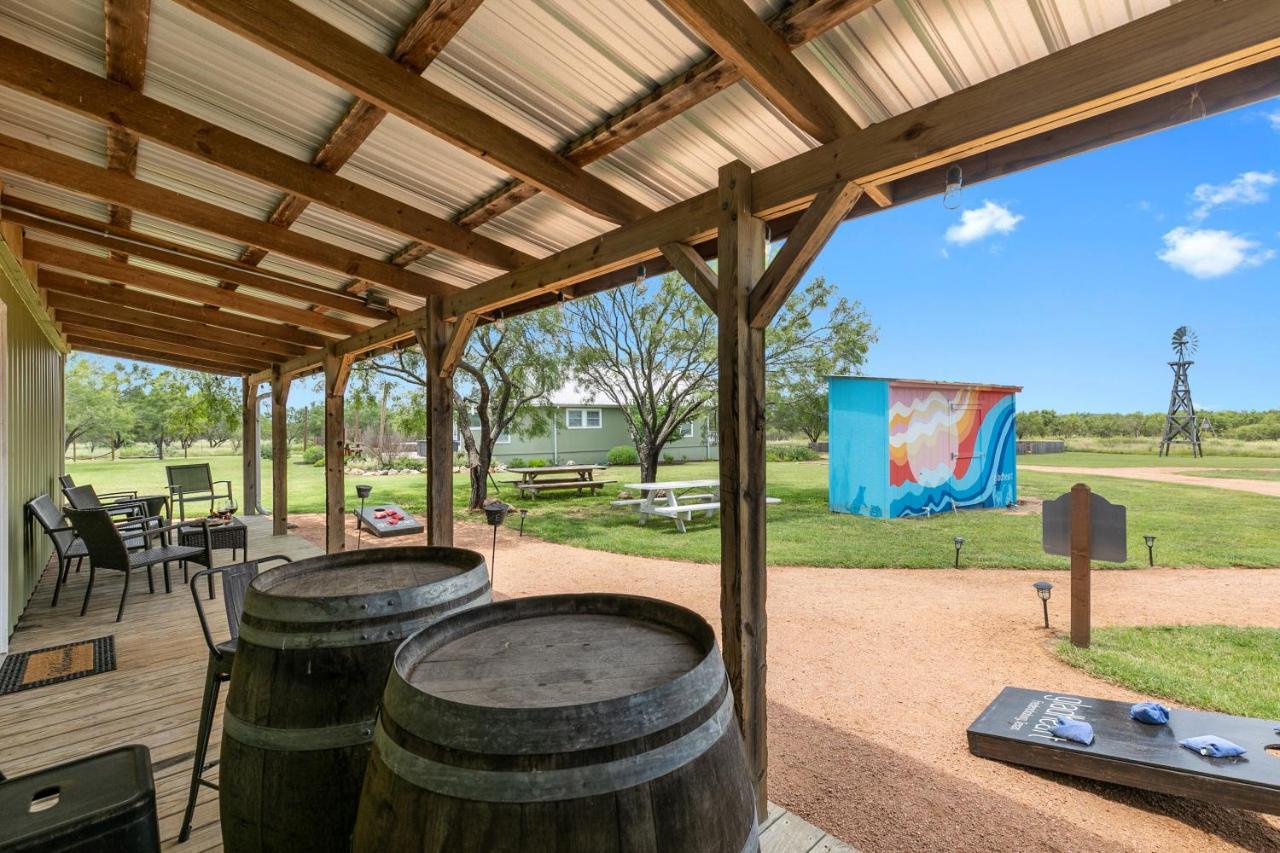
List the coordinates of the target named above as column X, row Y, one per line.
column 907, row 447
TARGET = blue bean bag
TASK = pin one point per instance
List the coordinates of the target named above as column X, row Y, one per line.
column 1074, row 730
column 1151, row 713
column 1212, row 746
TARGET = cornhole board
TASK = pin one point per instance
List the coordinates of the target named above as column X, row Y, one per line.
column 407, row 526
column 1015, row 728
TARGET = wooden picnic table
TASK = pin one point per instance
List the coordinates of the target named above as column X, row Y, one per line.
column 579, row 477
column 677, row 500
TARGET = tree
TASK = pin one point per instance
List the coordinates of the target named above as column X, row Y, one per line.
column 802, row 408
column 506, row 369
column 94, row 410
column 652, row 352
column 155, row 398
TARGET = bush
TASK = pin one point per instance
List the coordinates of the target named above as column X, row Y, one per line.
column 402, row 462
column 791, row 453
column 264, row 451
column 516, row 462
column 537, row 463
column 313, row 454
column 623, row 454
column 319, row 463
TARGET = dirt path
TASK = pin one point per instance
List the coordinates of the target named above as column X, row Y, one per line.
column 1167, row 475
column 874, row 676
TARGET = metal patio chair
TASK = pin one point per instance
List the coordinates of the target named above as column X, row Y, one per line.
column 107, row 549
column 66, row 481
column 235, row 581
column 67, row 546
column 194, row 482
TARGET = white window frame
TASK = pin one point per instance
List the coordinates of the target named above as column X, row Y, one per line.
column 504, row 438
column 585, row 418
column 685, row 430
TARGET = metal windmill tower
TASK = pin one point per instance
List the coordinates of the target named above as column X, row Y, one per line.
column 1180, row 425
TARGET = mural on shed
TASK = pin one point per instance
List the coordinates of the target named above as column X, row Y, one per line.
column 949, row 447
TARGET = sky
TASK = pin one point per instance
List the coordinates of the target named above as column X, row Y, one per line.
column 1068, row 279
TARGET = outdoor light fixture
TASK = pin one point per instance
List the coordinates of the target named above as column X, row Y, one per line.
column 500, row 322
column 523, row 512
column 494, row 514
column 959, row 540
column 362, row 492
column 955, row 183
column 640, row 273
column 1044, row 589
column 1151, row 549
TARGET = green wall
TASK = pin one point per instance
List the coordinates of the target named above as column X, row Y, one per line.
column 32, row 457
column 590, row 445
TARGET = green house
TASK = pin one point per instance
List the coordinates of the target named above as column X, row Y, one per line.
column 585, row 426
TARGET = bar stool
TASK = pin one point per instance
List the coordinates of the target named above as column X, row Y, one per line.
column 235, row 582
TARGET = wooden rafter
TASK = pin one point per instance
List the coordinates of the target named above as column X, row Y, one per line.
column 734, row 32
column 127, row 26
column 685, row 260
column 84, row 178
column 797, row 24
column 131, row 275
column 95, row 344
column 314, row 44
column 176, row 344
column 118, row 295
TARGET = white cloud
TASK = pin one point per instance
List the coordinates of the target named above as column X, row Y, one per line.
column 982, row 222
column 1248, row 188
column 1274, row 118
column 1208, row 253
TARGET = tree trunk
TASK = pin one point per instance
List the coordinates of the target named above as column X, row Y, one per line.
column 649, row 458
column 382, row 420
column 306, row 426
column 160, row 447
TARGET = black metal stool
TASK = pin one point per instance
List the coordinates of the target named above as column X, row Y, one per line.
column 235, row 582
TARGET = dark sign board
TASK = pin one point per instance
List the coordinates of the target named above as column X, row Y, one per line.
column 1016, row 728
column 1107, row 524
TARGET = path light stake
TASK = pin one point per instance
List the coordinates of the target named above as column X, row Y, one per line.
column 362, row 492
column 523, row 513
column 1044, row 589
column 495, row 513
column 1151, row 552
column 959, row 540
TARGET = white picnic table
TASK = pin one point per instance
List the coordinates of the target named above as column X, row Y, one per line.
column 676, row 499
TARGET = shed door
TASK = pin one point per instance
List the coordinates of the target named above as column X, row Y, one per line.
column 965, row 437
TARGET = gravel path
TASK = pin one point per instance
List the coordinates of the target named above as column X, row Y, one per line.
column 1166, row 475
column 874, row 676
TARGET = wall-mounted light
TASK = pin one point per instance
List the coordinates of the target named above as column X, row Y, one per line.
column 955, row 184
column 1044, row 589
column 500, row 322
column 640, row 274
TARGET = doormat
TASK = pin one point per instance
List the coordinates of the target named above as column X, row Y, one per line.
column 28, row 670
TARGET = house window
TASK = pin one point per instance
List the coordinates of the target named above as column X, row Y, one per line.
column 685, row 430
column 504, row 438
column 583, row 419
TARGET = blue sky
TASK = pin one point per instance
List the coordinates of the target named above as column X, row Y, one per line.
column 1054, row 279
column 1061, row 287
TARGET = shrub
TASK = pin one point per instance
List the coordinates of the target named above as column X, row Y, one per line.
column 537, row 463
column 264, row 451
column 516, row 462
column 319, row 463
column 402, row 462
column 313, row 454
column 460, row 458
column 791, row 453
column 623, row 454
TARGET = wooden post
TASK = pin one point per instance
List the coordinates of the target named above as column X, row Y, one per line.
column 251, row 470
column 1081, row 539
column 336, row 370
column 279, row 452
column 742, row 480
column 433, row 339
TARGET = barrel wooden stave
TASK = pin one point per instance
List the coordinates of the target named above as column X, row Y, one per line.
column 703, row 805
column 299, row 719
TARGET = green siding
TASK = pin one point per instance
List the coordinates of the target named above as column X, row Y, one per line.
column 33, row 452
column 589, row 445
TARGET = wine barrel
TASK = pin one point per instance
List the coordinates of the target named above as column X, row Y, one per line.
column 316, row 643
column 559, row 723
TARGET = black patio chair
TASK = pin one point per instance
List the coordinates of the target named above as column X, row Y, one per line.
column 194, row 482
column 107, row 549
column 235, row 582
column 66, row 481
column 68, row 547
column 84, row 497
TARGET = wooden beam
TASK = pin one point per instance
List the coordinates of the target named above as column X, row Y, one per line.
column 125, row 242
column 127, row 25
column 178, row 343
column 135, row 276
column 151, row 344
column 84, row 178
column 457, row 344
column 117, row 294
column 115, row 351
column 433, row 340
column 250, row 458
column 807, row 239
column 279, row 453
column 189, row 330
column 337, row 369
column 733, row 31
column 742, row 468
column 16, row 269
column 126, row 112
column 686, row 261
column 310, row 42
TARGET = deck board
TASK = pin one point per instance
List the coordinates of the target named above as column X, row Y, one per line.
column 153, row 696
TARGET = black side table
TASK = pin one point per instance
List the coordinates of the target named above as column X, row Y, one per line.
column 233, row 535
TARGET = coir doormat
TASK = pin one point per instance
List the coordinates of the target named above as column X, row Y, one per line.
column 28, row 670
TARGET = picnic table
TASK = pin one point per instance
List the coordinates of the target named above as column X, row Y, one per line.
column 677, row 500
column 551, row 477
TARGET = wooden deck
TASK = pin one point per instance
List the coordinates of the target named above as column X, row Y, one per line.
column 153, row 696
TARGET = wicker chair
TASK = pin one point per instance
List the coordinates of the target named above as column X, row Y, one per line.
column 68, row 547
column 194, row 483
column 107, row 549
column 235, row 582
column 66, row 481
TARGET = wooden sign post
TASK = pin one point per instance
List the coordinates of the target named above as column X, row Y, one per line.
column 1084, row 527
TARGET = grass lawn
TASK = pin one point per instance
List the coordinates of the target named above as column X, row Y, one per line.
column 1194, row 526
column 1240, row 473
column 1085, row 459
column 1233, row 670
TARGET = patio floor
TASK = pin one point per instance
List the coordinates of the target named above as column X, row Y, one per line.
column 153, row 696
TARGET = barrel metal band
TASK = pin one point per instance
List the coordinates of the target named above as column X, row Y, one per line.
column 286, row 608
column 363, row 636
column 535, row 786
column 297, row 740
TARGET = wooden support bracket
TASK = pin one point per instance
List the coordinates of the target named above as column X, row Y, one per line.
column 695, row 270
column 457, row 345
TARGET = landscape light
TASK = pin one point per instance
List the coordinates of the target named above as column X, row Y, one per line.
column 959, row 540
column 523, row 512
column 1151, row 553
column 1044, row 589
column 495, row 513
column 362, row 492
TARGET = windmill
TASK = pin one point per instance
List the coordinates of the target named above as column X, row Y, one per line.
column 1180, row 425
